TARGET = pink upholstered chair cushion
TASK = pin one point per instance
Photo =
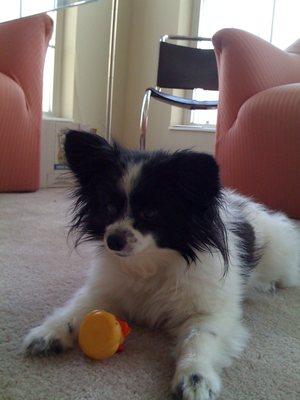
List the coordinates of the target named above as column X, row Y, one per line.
column 23, row 45
column 258, row 128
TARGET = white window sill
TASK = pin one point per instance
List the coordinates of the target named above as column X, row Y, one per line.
column 193, row 127
column 51, row 117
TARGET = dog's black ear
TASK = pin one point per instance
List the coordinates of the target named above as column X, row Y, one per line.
column 89, row 155
column 200, row 189
column 198, row 176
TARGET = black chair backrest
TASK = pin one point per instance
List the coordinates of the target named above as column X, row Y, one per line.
column 181, row 67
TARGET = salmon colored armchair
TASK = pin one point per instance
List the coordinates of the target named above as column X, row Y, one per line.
column 258, row 127
column 23, row 45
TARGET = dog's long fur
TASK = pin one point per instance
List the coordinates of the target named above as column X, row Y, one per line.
column 175, row 250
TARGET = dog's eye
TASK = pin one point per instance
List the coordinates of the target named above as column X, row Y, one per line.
column 148, row 215
column 111, row 209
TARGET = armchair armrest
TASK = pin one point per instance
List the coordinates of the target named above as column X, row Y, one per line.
column 260, row 155
column 23, row 44
column 270, row 116
column 248, row 65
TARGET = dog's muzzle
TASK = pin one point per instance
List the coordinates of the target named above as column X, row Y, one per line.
column 121, row 241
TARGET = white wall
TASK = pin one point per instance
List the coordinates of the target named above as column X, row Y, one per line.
column 85, row 67
column 149, row 20
column 121, row 69
column 92, row 45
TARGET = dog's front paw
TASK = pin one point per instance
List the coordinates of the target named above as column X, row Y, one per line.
column 48, row 339
column 193, row 384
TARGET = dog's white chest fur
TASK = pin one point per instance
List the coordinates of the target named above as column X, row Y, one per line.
column 161, row 290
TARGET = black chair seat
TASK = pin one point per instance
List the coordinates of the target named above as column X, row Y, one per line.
column 183, row 102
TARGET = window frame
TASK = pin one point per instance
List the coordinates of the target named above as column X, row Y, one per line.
column 58, row 66
column 187, row 114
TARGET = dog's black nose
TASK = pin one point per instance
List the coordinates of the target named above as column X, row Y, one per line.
column 116, row 242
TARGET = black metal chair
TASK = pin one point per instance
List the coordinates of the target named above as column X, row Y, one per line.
column 181, row 67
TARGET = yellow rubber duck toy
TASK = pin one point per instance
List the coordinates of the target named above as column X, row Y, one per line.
column 101, row 335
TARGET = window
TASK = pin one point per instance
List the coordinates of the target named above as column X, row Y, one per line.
column 15, row 9
column 276, row 21
column 49, row 68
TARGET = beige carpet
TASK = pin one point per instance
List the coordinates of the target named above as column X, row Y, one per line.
column 39, row 272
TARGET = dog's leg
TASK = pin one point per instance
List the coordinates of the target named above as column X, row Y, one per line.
column 202, row 350
column 58, row 332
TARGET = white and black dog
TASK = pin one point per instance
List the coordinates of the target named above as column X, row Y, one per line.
column 175, row 250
